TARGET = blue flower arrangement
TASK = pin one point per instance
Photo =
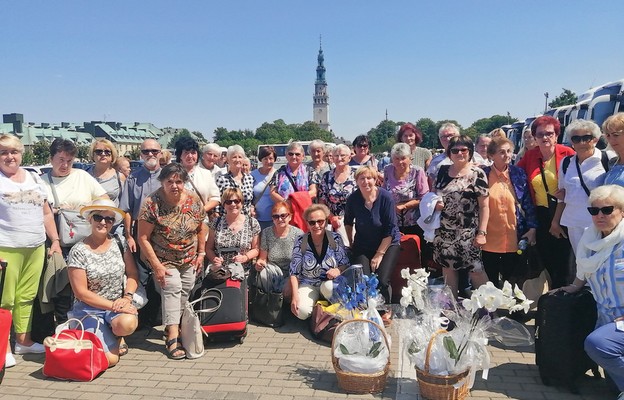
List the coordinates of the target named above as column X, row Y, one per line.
column 354, row 294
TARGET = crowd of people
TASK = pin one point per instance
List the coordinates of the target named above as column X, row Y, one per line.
column 308, row 222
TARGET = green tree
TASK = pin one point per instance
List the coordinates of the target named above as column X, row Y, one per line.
column 83, row 152
column 566, row 97
column 41, row 152
column 135, row 153
column 383, row 136
column 430, row 134
column 174, row 139
column 485, row 125
column 311, row 130
column 28, row 158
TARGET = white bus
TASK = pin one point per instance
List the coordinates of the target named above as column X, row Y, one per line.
column 608, row 100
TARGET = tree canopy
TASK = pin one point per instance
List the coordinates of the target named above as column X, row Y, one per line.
column 566, row 97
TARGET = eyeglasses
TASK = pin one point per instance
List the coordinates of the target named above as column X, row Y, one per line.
column 604, row 210
column 149, row 151
column 362, row 146
column 456, row 150
column 615, row 134
column 280, row 216
column 544, row 134
column 232, row 201
column 98, row 218
column 317, row 222
column 294, row 154
column 101, row 152
column 579, row 139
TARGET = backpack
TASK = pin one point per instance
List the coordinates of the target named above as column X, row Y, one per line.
column 604, row 160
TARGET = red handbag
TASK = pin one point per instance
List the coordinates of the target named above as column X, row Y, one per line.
column 74, row 354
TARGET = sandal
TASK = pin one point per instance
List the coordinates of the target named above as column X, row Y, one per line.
column 123, row 349
column 171, row 353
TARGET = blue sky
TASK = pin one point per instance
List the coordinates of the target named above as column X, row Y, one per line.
column 236, row 64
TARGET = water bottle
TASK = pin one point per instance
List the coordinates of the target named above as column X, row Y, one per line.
column 522, row 246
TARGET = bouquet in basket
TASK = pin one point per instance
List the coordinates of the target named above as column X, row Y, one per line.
column 446, row 338
column 361, row 346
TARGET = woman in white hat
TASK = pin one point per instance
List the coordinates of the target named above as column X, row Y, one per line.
column 97, row 267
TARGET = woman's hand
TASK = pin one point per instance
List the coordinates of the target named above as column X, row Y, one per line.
column 375, row 261
column 479, row 240
column 557, row 231
column 159, row 274
column 217, row 262
column 530, row 236
column 240, row 258
column 560, row 194
column 130, row 310
column 121, row 304
column 333, row 273
column 199, row 262
column 335, row 222
column 55, row 247
column 400, row 208
column 439, row 205
column 260, row 264
column 294, row 303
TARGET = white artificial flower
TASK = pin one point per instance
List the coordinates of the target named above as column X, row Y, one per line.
column 507, row 289
column 471, row 304
column 405, row 273
column 405, row 301
column 518, row 294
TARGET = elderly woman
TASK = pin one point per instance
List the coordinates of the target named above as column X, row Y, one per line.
column 25, row 219
column 235, row 178
column 211, row 153
column 262, row 177
column 277, row 243
column 376, row 242
column 98, row 267
column 542, row 168
column 172, row 238
column 599, row 263
column 481, row 148
column 528, row 143
column 232, row 230
column 336, row 186
column 104, row 155
column 122, row 165
column 464, row 217
column 316, row 150
column 512, row 213
column 412, row 136
column 408, row 184
column 329, row 155
column 318, row 257
column 200, row 180
column 578, row 176
column 361, row 147
column 613, row 129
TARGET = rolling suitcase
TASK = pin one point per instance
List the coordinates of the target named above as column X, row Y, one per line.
column 409, row 257
column 562, row 323
column 229, row 321
column 5, row 325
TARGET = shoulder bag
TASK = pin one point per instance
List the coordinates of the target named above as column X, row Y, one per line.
column 191, row 332
column 74, row 354
column 71, row 226
column 552, row 200
column 266, row 305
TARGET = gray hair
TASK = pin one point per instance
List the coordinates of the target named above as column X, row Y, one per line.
column 582, row 125
column 448, row 126
column 315, row 144
column 615, row 193
column 329, row 147
column 211, row 147
column 295, row 146
column 235, row 149
column 400, row 150
column 341, row 146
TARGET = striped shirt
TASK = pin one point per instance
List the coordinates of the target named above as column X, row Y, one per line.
column 607, row 285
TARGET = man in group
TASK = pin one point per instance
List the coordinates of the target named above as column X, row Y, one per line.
column 140, row 184
column 211, row 154
column 481, row 145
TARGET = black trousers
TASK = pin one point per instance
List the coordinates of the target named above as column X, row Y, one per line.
column 554, row 253
column 500, row 265
column 383, row 271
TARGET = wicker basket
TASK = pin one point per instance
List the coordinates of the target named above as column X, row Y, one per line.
column 441, row 387
column 352, row 382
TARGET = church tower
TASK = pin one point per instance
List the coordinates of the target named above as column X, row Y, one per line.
column 321, row 105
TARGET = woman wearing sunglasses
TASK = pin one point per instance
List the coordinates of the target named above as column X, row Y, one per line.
column 541, row 165
column 318, row 257
column 613, row 129
column 464, row 217
column 235, row 230
column 293, row 177
column 361, row 146
column 172, row 237
column 98, row 266
column 600, row 263
column 578, row 176
column 104, row 156
column 277, row 243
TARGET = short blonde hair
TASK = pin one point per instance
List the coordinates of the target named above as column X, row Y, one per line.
column 230, row 192
column 615, row 193
column 12, row 142
column 314, row 208
column 498, row 132
column 165, row 156
column 614, row 123
column 106, row 143
column 366, row 170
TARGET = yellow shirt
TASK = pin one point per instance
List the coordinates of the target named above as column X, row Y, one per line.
column 502, row 237
column 550, row 171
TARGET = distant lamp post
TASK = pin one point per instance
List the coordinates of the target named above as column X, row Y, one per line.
column 546, row 102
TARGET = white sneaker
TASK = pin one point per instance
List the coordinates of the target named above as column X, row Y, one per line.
column 35, row 348
column 9, row 361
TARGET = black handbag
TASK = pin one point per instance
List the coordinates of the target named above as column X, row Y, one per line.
column 266, row 307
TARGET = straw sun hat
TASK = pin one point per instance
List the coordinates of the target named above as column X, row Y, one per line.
column 102, row 205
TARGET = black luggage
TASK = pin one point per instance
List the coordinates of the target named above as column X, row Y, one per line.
column 562, row 323
column 229, row 321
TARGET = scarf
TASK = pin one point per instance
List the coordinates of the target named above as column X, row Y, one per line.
column 593, row 250
column 285, row 188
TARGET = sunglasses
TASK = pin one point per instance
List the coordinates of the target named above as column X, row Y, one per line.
column 294, row 154
column 150, row 151
column 317, row 222
column 455, row 150
column 579, row 139
column 604, row 210
column 542, row 135
column 233, row 201
column 101, row 152
column 362, row 146
column 98, row 218
column 280, row 216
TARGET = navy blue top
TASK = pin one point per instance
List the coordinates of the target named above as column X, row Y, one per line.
column 372, row 226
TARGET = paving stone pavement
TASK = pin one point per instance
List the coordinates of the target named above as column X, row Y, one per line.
column 272, row 364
